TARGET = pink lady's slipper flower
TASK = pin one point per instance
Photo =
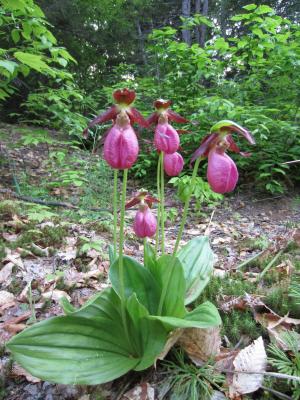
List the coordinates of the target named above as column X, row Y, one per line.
column 222, row 173
column 173, row 164
column 166, row 138
column 145, row 223
column 121, row 146
column 123, row 98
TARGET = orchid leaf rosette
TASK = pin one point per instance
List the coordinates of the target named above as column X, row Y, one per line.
column 125, row 326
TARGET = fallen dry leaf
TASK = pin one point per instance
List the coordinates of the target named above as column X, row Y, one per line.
column 6, row 297
column 17, row 371
column 6, row 272
column 252, row 358
column 14, row 328
column 55, row 295
column 14, row 256
column 172, row 339
column 10, row 237
column 277, row 326
column 140, row 392
column 201, row 344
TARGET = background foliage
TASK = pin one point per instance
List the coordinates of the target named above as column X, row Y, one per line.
column 246, row 70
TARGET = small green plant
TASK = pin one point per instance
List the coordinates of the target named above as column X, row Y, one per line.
column 201, row 191
column 288, row 363
column 39, row 213
column 88, row 245
column 189, row 382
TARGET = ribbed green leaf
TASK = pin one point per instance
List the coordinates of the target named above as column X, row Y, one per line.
column 151, row 334
column 174, row 300
column 74, row 350
column 137, row 280
column 204, row 316
column 197, row 260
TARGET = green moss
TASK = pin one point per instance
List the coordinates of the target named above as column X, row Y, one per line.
column 9, row 208
column 237, row 323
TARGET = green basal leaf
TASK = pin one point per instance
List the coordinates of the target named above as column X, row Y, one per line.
column 137, row 280
column 149, row 257
column 74, row 350
column 204, row 316
column 151, row 334
column 111, row 254
column 174, row 300
column 197, row 260
column 103, row 304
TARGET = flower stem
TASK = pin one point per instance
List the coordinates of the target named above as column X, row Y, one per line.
column 162, row 201
column 186, row 206
column 121, row 245
column 158, row 206
column 145, row 244
column 115, row 205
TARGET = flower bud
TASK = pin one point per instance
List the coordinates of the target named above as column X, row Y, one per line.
column 144, row 222
column 121, row 145
column 166, row 138
column 222, row 173
column 173, row 164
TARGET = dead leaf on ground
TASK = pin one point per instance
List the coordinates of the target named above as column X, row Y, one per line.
column 172, row 340
column 10, row 237
column 17, row 371
column 228, row 303
column 14, row 257
column 6, row 298
column 252, row 358
column 277, row 326
column 140, row 392
column 5, row 273
column 55, row 295
column 201, row 344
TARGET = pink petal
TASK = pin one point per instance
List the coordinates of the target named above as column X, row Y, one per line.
column 144, row 223
column 222, row 173
column 205, row 144
column 137, row 117
column 121, row 147
column 166, row 138
column 109, row 114
column 124, row 96
column 153, row 119
column 173, row 116
column 173, row 164
column 235, row 148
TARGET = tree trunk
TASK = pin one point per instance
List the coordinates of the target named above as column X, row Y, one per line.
column 223, row 17
column 197, row 29
column 203, row 27
column 186, row 12
column 141, row 41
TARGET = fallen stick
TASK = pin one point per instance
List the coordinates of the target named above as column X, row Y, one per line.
column 50, row 203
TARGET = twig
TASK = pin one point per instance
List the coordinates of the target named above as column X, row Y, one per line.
column 267, row 198
column 206, row 233
column 291, row 162
column 276, row 393
column 272, row 374
column 50, row 203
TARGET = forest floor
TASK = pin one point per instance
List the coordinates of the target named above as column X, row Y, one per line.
column 48, row 252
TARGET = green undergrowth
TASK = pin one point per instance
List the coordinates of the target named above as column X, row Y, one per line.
column 274, row 290
column 33, row 228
